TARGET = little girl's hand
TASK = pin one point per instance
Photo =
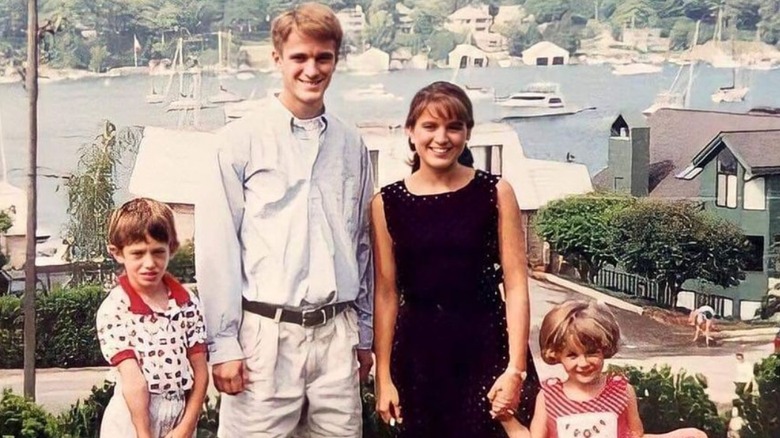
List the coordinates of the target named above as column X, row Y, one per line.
column 688, row 432
column 180, row 432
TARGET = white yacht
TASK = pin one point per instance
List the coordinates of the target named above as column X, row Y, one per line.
column 636, row 69
column 372, row 92
column 538, row 99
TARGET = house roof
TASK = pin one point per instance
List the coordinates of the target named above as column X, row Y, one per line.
column 469, row 13
column 538, row 182
column 633, row 119
column 757, row 151
column 162, row 155
column 544, row 47
column 676, row 137
column 468, row 49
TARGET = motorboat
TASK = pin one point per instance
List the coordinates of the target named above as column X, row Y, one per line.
column 372, row 92
column 636, row 69
column 730, row 94
column 539, row 99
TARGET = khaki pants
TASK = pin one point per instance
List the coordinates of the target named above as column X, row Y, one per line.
column 288, row 364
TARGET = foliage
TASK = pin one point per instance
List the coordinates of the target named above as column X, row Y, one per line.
column 681, row 34
column 91, row 194
column 182, row 264
column 373, row 426
column 760, row 412
column 66, row 329
column 579, row 228
column 672, row 242
column 441, row 44
column 636, row 13
column 521, row 37
column 380, row 30
column 208, row 423
column 546, row 11
column 670, row 401
column 22, row 418
column 97, row 57
column 83, row 419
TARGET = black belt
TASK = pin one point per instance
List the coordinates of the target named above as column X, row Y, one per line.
column 305, row 318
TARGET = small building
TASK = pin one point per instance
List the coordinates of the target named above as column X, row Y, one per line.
column 405, row 22
column 469, row 19
column 352, row 20
column 683, row 148
column 489, row 42
column 466, row 55
column 372, row 60
column 257, row 56
column 545, row 53
column 160, row 153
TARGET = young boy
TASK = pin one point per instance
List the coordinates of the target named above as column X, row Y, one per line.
column 151, row 330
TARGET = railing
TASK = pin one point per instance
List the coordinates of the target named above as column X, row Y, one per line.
column 641, row 287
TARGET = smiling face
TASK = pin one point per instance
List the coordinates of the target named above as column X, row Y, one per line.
column 307, row 65
column 145, row 263
column 583, row 367
column 438, row 139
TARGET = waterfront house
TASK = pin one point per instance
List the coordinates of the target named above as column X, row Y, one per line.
column 495, row 146
column 676, row 154
column 466, row 55
column 372, row 60
column 352, row 20
column 469, row 19
column 545, row 53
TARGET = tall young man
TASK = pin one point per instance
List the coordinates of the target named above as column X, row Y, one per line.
column 283, row 252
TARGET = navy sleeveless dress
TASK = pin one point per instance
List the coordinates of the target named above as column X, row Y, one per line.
column 450, row 341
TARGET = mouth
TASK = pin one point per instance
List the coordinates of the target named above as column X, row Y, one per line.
column 439, row 150
column 310, row 83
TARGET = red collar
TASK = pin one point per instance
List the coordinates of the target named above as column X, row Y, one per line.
column 137, row 304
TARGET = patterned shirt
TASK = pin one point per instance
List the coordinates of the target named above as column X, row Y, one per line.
column 604, row 416
column 161, row 342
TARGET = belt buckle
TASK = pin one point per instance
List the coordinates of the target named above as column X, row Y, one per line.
column 309, row 318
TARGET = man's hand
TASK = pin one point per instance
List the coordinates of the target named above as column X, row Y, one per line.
column 366, row 361
column 230, row 377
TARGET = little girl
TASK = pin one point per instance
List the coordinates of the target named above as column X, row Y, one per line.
column 589, row 404
column 151, row 331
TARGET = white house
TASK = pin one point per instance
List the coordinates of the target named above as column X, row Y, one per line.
column 466, row 55
column 469, row 19
column 545, row 53
column 372, row 60
column 352, row 20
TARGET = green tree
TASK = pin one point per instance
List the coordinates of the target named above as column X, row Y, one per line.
column 380, row 30
column 579, row 228
column 441, row 44
column 91, row 195
column 634, row 13
column 672, row 242
column 760, row 412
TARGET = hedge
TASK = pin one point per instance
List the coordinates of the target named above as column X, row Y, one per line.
column 66, row 335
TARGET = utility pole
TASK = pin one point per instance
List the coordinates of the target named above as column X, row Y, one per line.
column 30, row 274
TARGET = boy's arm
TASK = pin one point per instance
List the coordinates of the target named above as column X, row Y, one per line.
column 136, row 395
column 197, row 394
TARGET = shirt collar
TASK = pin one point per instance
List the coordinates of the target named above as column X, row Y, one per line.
column 279, row 110
column 139, row 306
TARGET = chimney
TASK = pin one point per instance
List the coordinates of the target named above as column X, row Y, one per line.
column 629, row 155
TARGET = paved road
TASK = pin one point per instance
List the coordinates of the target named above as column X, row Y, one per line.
column 645, row 343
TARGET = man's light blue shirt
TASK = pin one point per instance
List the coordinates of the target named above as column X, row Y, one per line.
column 280, row 223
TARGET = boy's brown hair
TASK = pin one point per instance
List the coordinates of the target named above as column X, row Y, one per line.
column 313, row 20
column 138, row 218
column 585, row 325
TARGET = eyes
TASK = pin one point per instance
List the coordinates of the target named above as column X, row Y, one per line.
column 321, row 58
column 588, row 355
column 455, row 126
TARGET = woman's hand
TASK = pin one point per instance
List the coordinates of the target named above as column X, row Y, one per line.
column 387, row 403
column 504, row 396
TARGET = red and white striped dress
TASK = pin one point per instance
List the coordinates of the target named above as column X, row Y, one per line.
column 604, row 416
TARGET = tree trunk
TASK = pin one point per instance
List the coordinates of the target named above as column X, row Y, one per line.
column 30, row 274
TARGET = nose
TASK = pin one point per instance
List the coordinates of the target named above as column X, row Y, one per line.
column 148, row 260
column 310, row 68
column 582, row 361
column 440, row 136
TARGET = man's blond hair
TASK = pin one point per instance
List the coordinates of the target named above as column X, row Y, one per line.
column 585, row 325
column 313, row 20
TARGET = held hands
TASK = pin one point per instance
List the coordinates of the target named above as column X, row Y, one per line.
column 387, row 403
column 230, row 377
column 688, row 432
column 504, row 396
column 180, row 432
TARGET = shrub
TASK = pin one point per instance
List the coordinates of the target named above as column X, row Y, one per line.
column 670, row 401
column 182, row 264
column 760, row 412
column 22, row 418
column 82, row 420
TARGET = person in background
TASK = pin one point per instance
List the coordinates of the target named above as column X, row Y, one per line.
column 744, row 375
column 702, row 318
column 449, row 347
column 151, row 330
column 283, row 254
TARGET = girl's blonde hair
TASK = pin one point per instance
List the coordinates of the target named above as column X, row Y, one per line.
column 582, row 325
column 138, row 218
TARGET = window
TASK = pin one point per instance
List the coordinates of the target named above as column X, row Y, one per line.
column 464, row 61
column 558, row 60
column 487, row 158
column 478, row 62
column 755, row 194
column 618, row 182
column 755, row 259
column 726, row 190
column 541, row 61
column 374, row 157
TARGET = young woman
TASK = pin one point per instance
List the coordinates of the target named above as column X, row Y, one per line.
column 450, row 349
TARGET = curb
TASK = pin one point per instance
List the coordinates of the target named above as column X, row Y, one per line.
column 599, row 296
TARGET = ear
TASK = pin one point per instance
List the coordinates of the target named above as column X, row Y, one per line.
column 277, row 57
column 116, row 253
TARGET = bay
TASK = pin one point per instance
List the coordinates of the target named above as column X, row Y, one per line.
column 71, row 112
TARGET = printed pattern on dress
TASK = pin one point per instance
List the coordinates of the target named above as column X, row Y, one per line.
column 599, row 417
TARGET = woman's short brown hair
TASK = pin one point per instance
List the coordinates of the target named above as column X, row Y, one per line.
column 443, row 99
column 585, row 325
column 314, row 20
column 138, row 218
